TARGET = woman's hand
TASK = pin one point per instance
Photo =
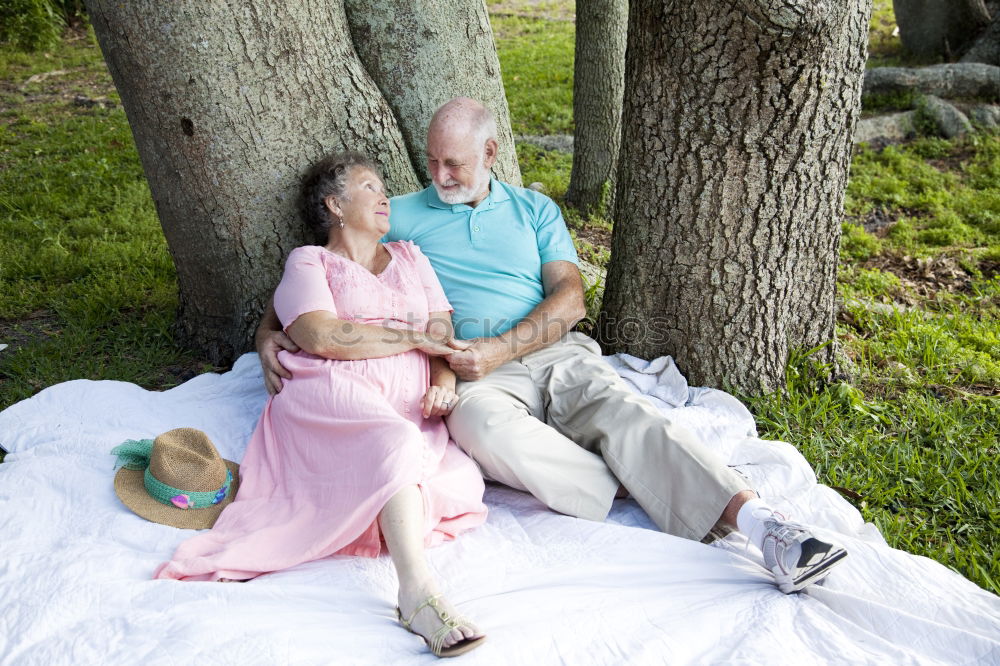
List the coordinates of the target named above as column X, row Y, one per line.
column 439, row 401
column 434, row 346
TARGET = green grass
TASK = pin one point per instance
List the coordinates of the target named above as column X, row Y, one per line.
column 909, row 425
column 943, row 195
column 536, row 61
column 89, row 287
column 922, row 460
column 548, row 167
column 912, row 428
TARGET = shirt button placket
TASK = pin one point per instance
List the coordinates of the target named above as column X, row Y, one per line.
column 473, row 228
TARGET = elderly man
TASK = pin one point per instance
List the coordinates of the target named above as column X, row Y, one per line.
column 538, row 408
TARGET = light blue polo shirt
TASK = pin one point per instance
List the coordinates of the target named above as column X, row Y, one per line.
column 489, row 258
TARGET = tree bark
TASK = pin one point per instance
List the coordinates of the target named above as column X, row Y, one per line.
column 401, row 42
column 229, row 103
column 598, row 86
column 986, row 48
column 939, row 27
column 738, row 120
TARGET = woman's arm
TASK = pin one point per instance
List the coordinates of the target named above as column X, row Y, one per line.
column 440, row 397
column 323, row 334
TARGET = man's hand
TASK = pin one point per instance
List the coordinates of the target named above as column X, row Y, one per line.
column 269, row 343
column 480, row 359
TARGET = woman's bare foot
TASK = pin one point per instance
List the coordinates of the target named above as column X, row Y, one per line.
column 428, row 620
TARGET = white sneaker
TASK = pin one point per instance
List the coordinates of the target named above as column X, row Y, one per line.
column 796, row 567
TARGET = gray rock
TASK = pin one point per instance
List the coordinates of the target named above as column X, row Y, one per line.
column 592, row 274
column 536, row 186
column 891, row 127
column 949, row 120
column 985, row 115
column 562, row 143
column 948, row 80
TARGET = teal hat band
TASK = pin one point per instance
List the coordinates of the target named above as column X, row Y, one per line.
column 185, row 499
column 134, row 454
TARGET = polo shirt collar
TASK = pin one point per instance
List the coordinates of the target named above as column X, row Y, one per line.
column 497, row 194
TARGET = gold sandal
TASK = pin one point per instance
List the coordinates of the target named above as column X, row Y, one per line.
column 449, row 623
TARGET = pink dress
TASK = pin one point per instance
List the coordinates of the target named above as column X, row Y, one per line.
column 342, row 437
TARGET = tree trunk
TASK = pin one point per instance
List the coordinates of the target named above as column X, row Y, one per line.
column 986, row 48
column 598, row 85
column 939, row 27
column 229, row 103
column 738, row 120
column 400, row 43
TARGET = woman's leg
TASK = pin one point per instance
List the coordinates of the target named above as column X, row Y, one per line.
column 401, row 522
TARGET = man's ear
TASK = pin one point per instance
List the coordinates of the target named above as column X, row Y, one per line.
column 492, row 148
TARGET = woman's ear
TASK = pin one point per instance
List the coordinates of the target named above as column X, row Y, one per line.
column 332, row 205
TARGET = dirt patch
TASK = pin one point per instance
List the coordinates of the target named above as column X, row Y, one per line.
column 83, row 86
column 879, row 220
column 954, row 161
column 989, row 268
column 596, row 236
column 924, row 277
column 876, row 221
column 42, row 325
column 175, row 375
column 17, row 333
column 78, row 87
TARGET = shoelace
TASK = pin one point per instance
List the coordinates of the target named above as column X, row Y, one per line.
column 787, row 531
column 762, row 515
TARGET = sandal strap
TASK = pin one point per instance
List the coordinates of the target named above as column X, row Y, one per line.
column 448, row 622
column 431, row 601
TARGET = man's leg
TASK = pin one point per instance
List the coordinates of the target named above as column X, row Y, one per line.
column 684, row 487
column 497, row 423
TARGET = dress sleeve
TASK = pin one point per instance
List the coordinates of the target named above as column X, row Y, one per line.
column 303, row 287
column 436, row 300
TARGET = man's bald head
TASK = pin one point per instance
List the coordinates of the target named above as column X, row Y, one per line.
column 464, row 116
column 461, row 150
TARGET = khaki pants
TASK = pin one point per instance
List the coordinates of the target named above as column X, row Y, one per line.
column 561, row 424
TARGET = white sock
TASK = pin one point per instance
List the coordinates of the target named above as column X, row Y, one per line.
column 752, row 527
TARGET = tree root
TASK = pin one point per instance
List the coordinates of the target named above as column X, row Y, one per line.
column 955, row 80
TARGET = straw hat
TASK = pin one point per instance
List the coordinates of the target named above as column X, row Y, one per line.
column 178, row 479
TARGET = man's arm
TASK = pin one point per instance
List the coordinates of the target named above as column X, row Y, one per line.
column 269, row 340
column 560, row 310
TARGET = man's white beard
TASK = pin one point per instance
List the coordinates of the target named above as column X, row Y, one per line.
column 465, row 194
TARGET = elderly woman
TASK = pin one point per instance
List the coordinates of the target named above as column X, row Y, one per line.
column 353, row 450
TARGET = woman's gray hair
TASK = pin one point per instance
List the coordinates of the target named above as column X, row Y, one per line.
column 328, row 177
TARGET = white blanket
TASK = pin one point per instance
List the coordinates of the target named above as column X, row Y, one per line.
column 75, row 564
